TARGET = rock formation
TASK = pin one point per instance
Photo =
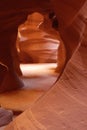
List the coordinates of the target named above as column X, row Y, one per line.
column 65, row 105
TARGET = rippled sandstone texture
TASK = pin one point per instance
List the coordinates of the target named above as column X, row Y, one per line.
column 38, row 42
column 65, row 105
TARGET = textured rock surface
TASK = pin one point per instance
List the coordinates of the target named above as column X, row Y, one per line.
column 65, row 105
column 36, row 45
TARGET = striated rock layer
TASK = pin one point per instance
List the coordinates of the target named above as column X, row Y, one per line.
column 65, row 105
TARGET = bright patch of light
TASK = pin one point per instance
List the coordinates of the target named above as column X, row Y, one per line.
column 38, row 69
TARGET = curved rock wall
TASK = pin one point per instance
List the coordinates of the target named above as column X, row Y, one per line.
column 65, row 105
column 71, row 24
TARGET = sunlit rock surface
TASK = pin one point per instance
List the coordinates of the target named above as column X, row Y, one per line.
column 65, row 105
column 37, row 44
